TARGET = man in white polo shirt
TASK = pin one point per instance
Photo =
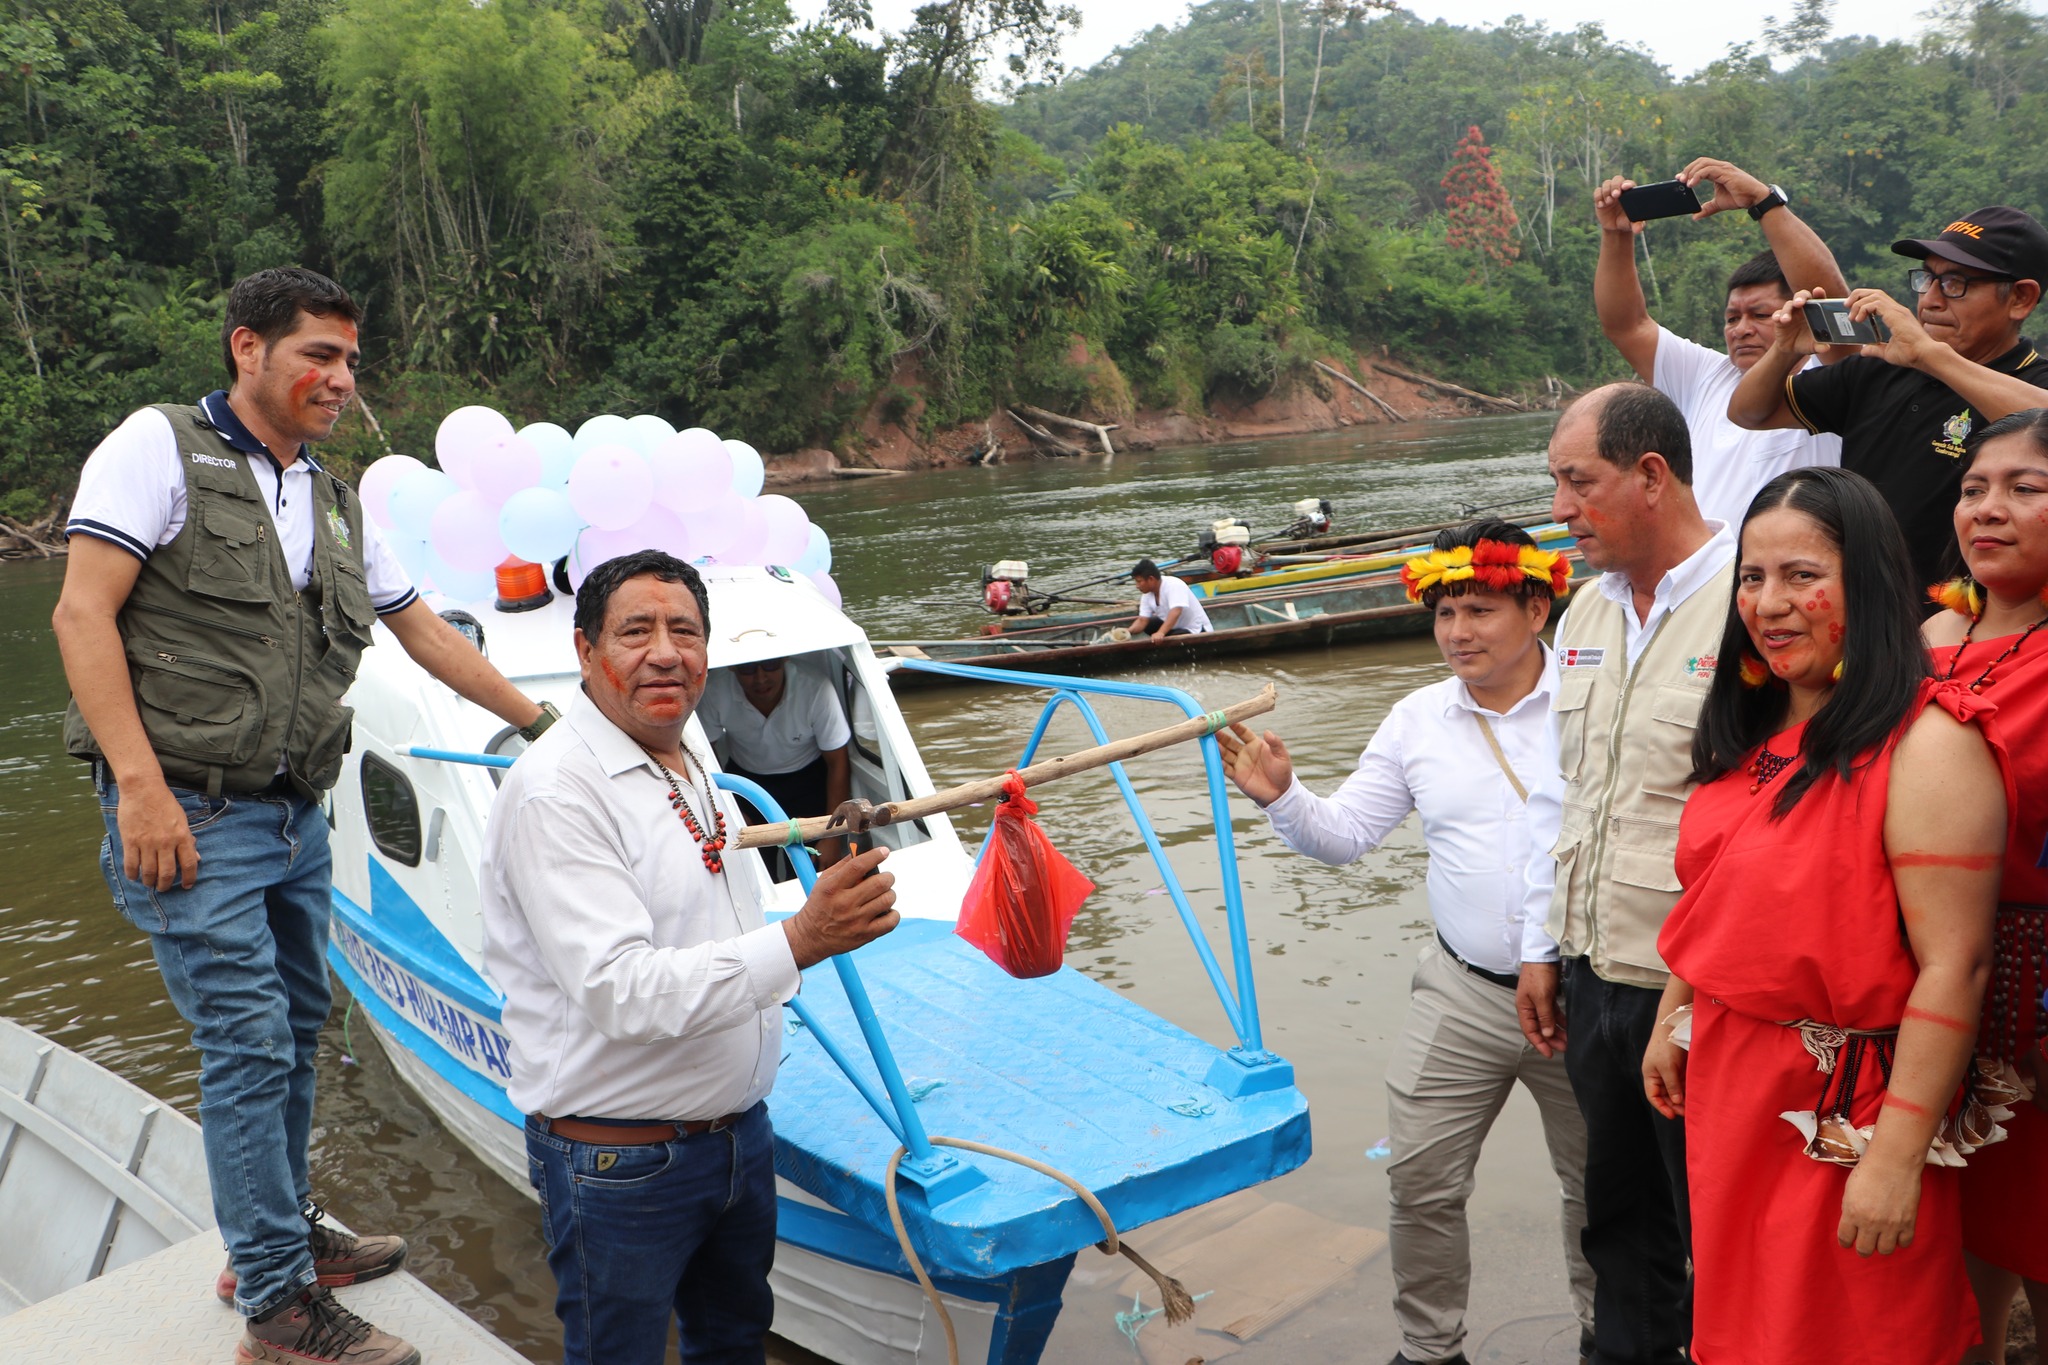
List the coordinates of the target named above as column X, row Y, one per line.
column 1466, row 753
column 1729, row 463
column 1167, row 605
column 779, row 722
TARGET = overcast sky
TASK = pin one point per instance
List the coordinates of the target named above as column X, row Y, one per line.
column 1683, row 36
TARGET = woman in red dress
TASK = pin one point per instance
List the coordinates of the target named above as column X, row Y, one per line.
column 1994, row 639
column 1840, row 862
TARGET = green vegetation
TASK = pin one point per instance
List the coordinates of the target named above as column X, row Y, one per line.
column 704, row 209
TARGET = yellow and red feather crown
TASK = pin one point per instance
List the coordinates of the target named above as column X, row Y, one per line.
column 1493, row 565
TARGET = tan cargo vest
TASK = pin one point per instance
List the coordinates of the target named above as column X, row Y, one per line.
column 1625, row 749
column 233, row 670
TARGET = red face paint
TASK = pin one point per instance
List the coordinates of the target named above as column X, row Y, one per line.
column 1835, row 632
column 303, row 385
column 1968, row 862
column 610, row 674
column 1945, row 1021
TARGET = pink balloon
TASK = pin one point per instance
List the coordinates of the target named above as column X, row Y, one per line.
column 789, row 530
column 714, row 525
column 464, row 434
column 466, row 533
column 505, row 466
column 378, row 481
column 697, row 471
column 594, row 547
column 747, row 542
column 823, row 582
column 610, row 486
column 658, row 529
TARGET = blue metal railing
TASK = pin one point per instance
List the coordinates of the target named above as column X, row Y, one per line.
column 1241, row 1008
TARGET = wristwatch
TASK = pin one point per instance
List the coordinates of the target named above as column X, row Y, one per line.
column 1777, row 198
column 548, row 716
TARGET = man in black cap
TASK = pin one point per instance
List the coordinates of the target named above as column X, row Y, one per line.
column 1904, row 409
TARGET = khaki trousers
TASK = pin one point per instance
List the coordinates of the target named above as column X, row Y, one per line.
column 1459, row 1054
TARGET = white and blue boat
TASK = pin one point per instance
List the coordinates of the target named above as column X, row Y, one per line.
column 914, row 1036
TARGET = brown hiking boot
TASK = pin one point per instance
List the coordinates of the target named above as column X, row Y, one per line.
column 313, row 1329
column 339, row 1258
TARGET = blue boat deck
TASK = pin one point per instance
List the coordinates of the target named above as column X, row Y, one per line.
column 1060, row 1069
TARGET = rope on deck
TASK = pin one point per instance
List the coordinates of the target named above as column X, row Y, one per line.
column 1179, row 1304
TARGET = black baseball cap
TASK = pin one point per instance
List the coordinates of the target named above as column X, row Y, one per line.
column 2005, row 241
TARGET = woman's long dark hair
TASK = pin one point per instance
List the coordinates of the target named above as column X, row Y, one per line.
column 1883, row 659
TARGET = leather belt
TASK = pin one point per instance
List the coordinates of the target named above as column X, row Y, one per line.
column 1497, row 978
column 611, row 1133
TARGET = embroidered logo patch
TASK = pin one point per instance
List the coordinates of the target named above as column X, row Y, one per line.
column 1581, row 658
column 607, row 1160
column 216, row 461
column 1702, row 665
column 338, row 525
column 1956, row 430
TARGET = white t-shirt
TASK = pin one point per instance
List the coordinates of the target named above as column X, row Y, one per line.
column 807, row 721
column 131, row 493
column 1729, row 464
column 1174, row 592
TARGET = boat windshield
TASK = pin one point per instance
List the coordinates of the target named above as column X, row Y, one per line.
column 821, row 696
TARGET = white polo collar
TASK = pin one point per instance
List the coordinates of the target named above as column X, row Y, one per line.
column 1685, row 578
column 1459, row 697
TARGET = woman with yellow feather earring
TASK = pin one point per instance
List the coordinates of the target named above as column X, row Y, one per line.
column 1992, row 640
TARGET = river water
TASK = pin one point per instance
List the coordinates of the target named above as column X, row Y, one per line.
column 1334, row 947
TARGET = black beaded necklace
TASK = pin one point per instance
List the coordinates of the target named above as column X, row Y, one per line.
column 1767, row 765
column 1984, row 678
column 713, row 849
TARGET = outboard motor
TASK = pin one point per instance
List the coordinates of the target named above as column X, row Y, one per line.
column 1003, row 587
column 1312, row 516
column 1224, row 542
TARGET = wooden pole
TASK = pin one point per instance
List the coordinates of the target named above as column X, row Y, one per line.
column 1335, row 373
column 1047, row 770
column 1485, row 399
column 1045, row 437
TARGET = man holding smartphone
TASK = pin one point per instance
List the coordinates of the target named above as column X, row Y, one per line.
column 1904, row 408
column 1729, row 462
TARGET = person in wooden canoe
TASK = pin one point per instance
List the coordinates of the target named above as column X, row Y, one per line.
column 1465, row 752
column 1167, row 606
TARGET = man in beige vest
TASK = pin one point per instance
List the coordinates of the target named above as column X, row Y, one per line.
column 1635, row 654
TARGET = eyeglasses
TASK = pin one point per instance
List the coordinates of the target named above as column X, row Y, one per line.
column 765, row 666
column 1953, row 286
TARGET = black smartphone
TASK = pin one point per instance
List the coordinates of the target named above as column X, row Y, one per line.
column 1831, row 323
column 1665, row 199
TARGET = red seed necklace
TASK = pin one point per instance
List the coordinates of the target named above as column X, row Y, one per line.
column 712, row 849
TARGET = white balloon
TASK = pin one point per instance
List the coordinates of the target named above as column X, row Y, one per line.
column 748, row 473
column 646, row 432
column 606, row 429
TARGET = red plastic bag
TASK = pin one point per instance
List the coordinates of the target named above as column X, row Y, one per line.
column 1024, row 895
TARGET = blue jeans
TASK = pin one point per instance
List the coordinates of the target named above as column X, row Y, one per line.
column 244, row 959
column 636, row 1234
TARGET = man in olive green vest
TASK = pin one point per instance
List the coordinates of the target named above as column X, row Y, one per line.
column 220, row 590
column 1635, row 655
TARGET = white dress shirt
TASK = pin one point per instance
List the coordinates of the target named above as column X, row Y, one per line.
column 1546, row 811
column 638, row 985
column 805, row 723
column 1174, row 592
column 1429, row 755
column 1729, row 463
column 131, row 493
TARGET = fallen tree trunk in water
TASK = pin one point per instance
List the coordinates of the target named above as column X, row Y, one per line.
column 1384, row 406
column 1044, row 437
column 1483, row 399
column 1101, row 430
column 42, row 539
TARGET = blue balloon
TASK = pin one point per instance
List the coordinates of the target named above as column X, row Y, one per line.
column 606, row 429
column 538, row 524
column 558, row 452
column 414, row 498
column 412, row 555
column 462, row 586
column 817, row 556
column 748, row 472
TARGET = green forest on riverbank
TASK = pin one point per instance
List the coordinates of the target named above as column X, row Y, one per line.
column 704, row 209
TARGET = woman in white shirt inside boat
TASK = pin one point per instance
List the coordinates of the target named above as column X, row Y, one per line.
column 1465, row 752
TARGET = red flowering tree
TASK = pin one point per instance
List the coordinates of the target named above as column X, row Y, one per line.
column 1482, row 218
